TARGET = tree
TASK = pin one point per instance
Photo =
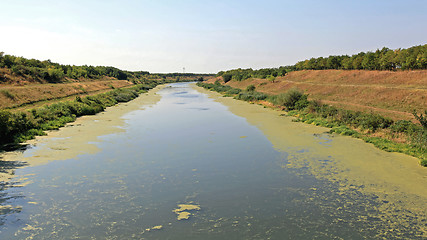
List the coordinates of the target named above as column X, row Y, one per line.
column 387, row 61
column 8, row 61
column 1, row 58
column 271, row 78
column 369, row 61
column 333, row 62
column 227, row 77
column 282, row 71
column 347, row 63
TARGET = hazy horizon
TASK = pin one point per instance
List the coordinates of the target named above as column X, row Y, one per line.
column 205, row 36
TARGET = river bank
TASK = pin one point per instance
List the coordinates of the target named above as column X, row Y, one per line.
column 391, row 178
column 75, row 138
column 393, row 136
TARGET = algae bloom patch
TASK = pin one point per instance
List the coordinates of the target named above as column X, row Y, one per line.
column 183, row 211
column 158, row 227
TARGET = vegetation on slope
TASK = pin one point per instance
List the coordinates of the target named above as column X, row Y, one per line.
column 383, row 132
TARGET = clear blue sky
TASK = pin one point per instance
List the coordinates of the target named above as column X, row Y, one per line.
column 205, row 36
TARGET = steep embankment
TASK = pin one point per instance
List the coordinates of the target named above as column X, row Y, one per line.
column 392, row 94
column 15, row 95
column 19, row 90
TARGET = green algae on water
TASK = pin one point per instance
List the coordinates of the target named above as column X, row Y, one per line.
column 184, row 210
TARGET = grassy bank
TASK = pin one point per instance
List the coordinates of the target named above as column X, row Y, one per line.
column 17, row 127
column 394, row 136
column 391, row 94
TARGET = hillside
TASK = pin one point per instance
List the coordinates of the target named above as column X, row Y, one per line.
column 395, row 94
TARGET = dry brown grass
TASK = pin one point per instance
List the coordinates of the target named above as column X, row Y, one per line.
column 31, row 93
column 392, row 94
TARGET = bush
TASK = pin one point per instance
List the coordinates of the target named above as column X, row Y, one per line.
column 271, row 78
column 421, row 118
column 403, row 126
column 373, row 121
column 250, row 88
column 227, row 77
column 290, row 99
column 234, row 91
column 418, row 138
column 251, row 96
column 302, row 102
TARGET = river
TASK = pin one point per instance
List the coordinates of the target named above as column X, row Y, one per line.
column 243, row 172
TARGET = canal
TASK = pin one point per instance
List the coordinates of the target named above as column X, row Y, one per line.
column 184, row 163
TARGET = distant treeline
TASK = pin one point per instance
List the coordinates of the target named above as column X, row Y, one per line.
column 55, row 72
column 243, row 74
column 384, row 59
column 182, row 74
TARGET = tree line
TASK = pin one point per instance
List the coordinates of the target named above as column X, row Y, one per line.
column 55, row 72
column 382, row 59
column 243, row 74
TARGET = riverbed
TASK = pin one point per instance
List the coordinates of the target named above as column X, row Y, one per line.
column 183, row 163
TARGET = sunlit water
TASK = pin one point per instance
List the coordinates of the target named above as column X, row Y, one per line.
column 186, row 149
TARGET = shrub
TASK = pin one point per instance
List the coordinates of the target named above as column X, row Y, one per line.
column 251, row 96
column 250, row 88
column 290, row 99
column 227, row 77
column 373, row 121
column 421, row 118
column 271, row 78
column 234, row 91
column 419, row 138
column 302, row 102
column 402, row 126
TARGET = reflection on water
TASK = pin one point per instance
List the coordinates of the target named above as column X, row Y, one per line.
column 7, row 171
column 186, row 150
